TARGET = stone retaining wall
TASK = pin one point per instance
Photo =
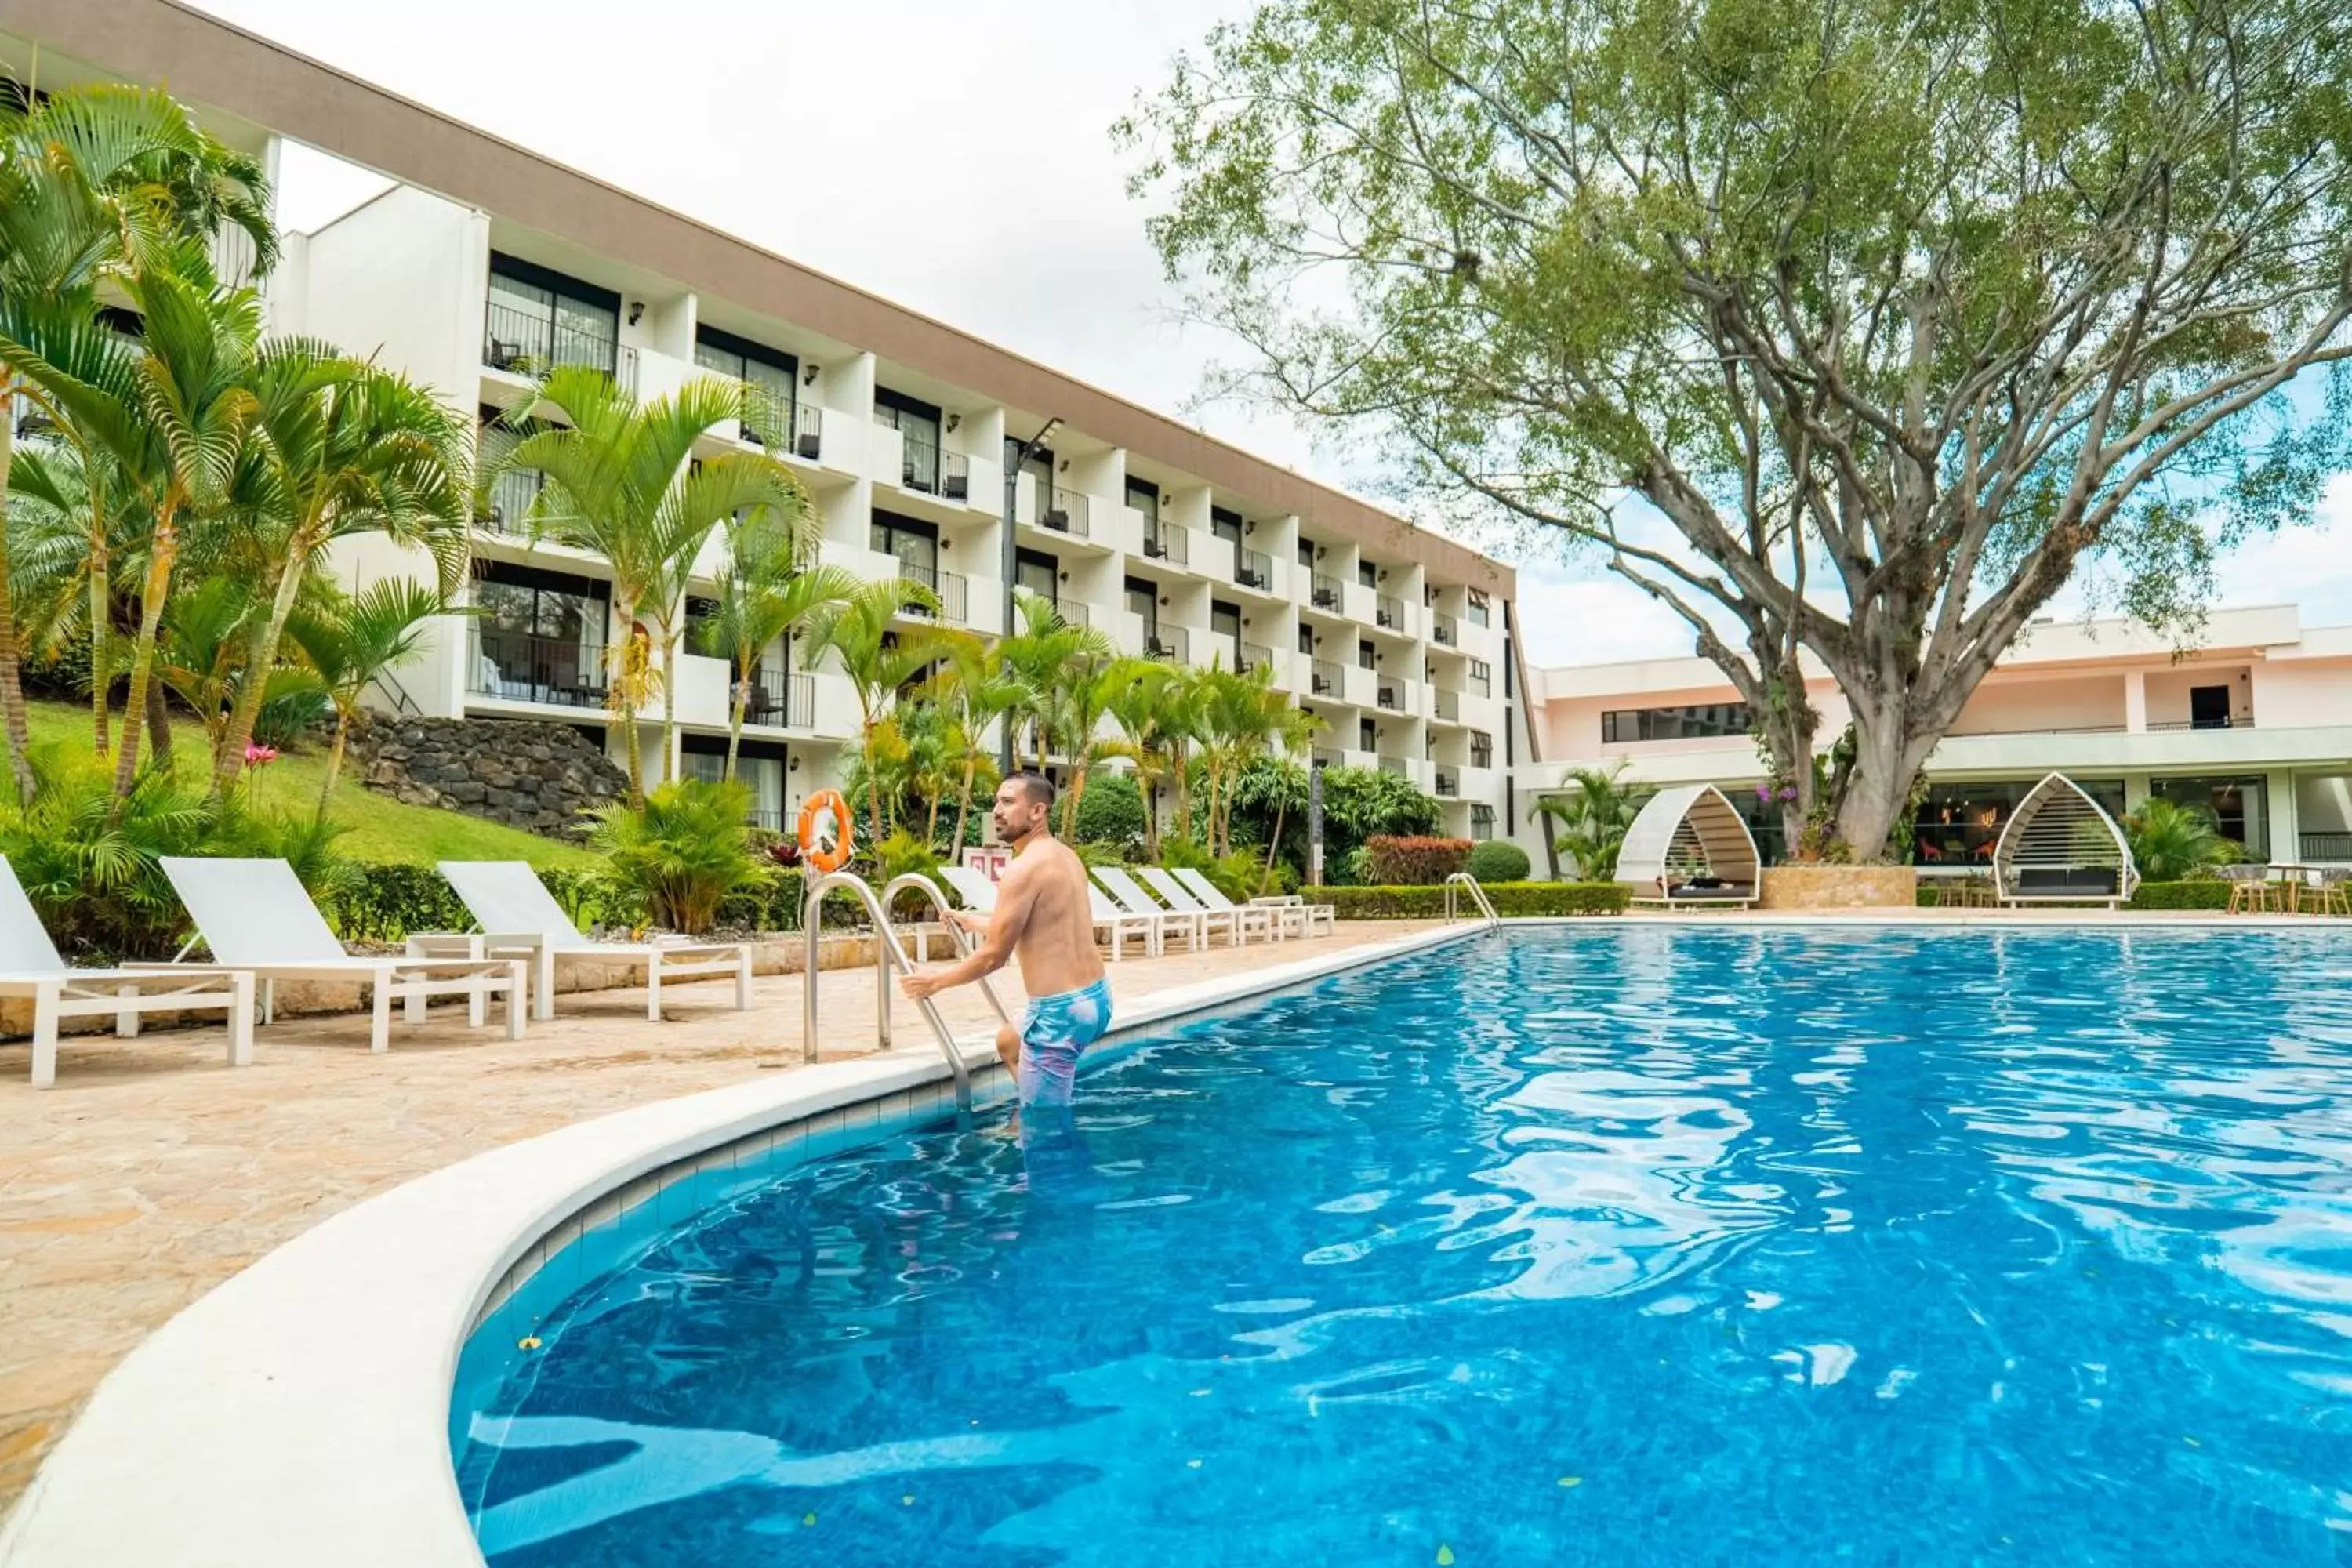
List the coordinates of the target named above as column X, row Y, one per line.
column 1838, row 887
column 539, row 777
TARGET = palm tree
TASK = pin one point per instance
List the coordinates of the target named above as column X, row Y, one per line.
column 1142, row 703
column 2169, row 840
column 1087, row 686
column 95, row 182
column 876, row 659
column 1043, row 656
column 66, row 527
column 170, row 411
column 1594, row 820
column 972, row 686
column 1294, row 730
column 622, row 480
column 1243, row 716
column 340, row 447
column 354, row 643
column 763, row 594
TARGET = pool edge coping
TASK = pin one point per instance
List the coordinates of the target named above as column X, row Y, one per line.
column 299, row 1411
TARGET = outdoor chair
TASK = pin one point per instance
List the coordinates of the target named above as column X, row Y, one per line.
column 31, row 966
column 1123, row 890
column 1289, row 914
column 254, row 915
column 1112, row 926
column 2252, row 891
column 2332, row 894
column 1240, row 920
column 521, row 919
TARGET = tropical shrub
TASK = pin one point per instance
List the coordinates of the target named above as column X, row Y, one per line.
column 92, row 864
column 683, row 851
column 1595, row 819
column 1497, row 861
column 1415, row 861
column 1513, row 899
column 1111, row 811
column 2170, row 841
column 1360, row 802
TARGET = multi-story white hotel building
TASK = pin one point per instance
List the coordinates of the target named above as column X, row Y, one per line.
column 482, row 261
column 2254, row 723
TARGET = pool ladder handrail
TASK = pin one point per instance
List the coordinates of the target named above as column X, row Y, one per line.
column 1477, row 896
column 888, row 953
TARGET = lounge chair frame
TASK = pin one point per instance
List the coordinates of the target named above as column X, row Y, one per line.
column 2070, row 846
column 1686, row 829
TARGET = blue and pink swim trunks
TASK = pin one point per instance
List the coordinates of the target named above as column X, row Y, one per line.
column 1055, row 1031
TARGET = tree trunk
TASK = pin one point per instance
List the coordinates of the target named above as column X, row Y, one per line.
column 165, row 550
column 261, row 653
column 620, row 702
column 1880, row 788
column 963, row 807
column 101, row 655
column 735, row 722
column 18, row 722
column 1274, row 840
column 334, row 758
column 1150, row 793
column 159, row 723
column 669, row 703
column 872, row 782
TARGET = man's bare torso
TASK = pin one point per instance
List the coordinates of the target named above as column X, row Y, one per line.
column 1056, row 946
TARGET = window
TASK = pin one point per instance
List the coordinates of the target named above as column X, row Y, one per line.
column 698, row 611
column 2238, row 807
column 1040, row 573
column 1482, row 749
column 1368, row 573
column 539, row 637
column 1705, row 720
column 1143, row 601
column 1367, row 735
column 760, row 767
column 1482, row 820
column 915, row 542
column 1225, row 621
column 1365, row 656
column 1477, row 612
column 1956, row 824
column 1307, row 553
column 1144, row 497
column 538, row 319
column 1225, row 525
column 1306, row 640
column 1482, row 677
column 772, row 373
column 918, row 424
column 1039, row 466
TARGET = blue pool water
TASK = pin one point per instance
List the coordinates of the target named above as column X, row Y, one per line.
column 1624, row 1246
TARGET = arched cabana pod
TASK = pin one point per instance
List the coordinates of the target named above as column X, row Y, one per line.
column 1689, row 846
column 2060, row 846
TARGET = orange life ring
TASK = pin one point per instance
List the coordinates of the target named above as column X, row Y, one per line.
column 825, row 802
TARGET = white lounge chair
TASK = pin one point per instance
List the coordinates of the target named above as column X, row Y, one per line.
column 521, row 919
column 1112, row 927
column 1239, row 922
column 31, row 966
column 1303, row 918
column 254, row 915
column 1194, row 924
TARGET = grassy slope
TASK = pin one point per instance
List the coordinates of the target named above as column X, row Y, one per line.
column 381, row 828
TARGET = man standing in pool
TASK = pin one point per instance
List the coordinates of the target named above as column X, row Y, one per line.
column 1043, row 917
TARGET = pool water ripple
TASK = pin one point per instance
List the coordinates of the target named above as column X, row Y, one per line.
column 1623, row 1245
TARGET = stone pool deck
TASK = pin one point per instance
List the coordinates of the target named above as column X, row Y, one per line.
column 153, row 1171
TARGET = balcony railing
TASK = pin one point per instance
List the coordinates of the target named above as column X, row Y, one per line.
column 511, row 494
column 1442, row 629
column 949, row 586
column 1447, row 704
column 517, row 667
column 1388, row 612
column 1168, row 643
column 1394, row 765
column 1163, row 541
column 1326, row 591
column 1073, row 612
column 769, row 818
column 1249, row 655
column 1323, row 678
column 780, row 424
column 781, row 698
column 2327, row 846
column 1254, row 569
column 1391, row 696
column 1323, row 757
column 1064, row 511
column 528, row 344
column 1449, row 782
column 2224, row 722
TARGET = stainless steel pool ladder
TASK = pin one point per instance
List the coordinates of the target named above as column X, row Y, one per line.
column 889, row 952
column 1477, row 896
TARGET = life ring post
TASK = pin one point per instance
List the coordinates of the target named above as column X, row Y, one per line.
column 824, row 859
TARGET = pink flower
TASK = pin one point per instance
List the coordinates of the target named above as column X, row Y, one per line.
column 255, row 755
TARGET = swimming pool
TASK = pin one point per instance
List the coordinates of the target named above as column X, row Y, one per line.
column 1629, row 1245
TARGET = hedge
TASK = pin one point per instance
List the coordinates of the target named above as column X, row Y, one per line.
column 1394, row 861
column 2202, row 893
column 1408, row 903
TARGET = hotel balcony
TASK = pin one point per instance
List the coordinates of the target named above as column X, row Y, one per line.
column 1164, row 541
column 528, row 344
column 516, row 666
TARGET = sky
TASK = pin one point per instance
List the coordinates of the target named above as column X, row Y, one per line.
column 957, row 159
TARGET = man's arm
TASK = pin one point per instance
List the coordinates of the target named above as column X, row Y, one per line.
column 1016, row 897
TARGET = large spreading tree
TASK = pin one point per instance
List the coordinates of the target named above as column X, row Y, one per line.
column 1853, row 328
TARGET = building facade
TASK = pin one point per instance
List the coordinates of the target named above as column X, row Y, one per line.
column 2255, row 724
column 483, row 264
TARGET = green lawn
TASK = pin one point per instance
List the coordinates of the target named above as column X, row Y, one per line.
column 381, row 828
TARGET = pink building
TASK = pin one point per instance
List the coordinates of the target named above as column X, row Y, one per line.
column 2256, row 723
